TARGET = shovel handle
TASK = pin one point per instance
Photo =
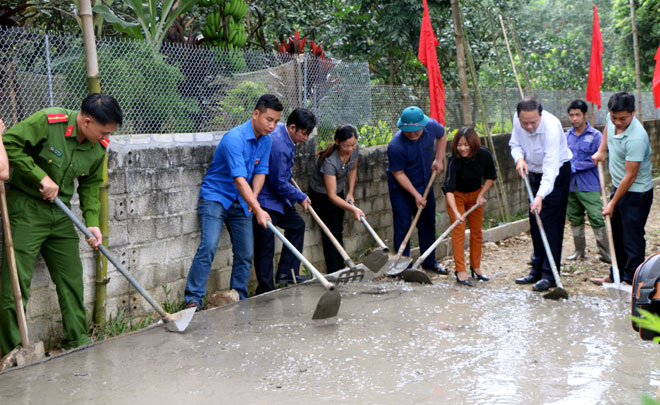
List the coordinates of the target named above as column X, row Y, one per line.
column 13, row 270
column 544, row 238
column 112, row 260
column 419, row 213
column 327, row 232
column 300, row 257
column 435, row 244
column 608, row 228
column 371, row 230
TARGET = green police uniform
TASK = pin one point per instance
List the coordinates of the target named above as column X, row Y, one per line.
column 43, row 144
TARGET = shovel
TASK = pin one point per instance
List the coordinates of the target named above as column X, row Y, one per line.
column 356, row 271
column 418, row 262
column 616, row 289
column 28, row 353
column 559, row 291
column 177, row 322
column 328, row 305
column 395, row 266
column 378, row 257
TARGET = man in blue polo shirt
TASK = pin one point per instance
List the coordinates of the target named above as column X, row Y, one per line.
column 411, row 159
column 630, row 168
column 584, row 191
column 229, row 194
column 278, row 198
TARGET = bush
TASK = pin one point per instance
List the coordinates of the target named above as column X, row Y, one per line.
column 238, row 105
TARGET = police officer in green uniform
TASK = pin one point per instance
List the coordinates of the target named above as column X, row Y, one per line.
column 47, row 152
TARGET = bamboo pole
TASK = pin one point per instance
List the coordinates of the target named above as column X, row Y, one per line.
column 513, row 64
column 636, row 52
column 502, row 200
column 460, row 61
column 94, row 84
column 516, row 44
column 499, row 64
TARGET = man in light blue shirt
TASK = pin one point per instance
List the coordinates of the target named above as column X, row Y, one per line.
column 229, row 194
column 538, row 146
column 630, row 168
column 279, row 197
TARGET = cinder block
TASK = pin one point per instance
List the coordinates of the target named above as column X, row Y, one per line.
column 189, row 222
column 118, row 235
column 139, row 140
column 117, row 181
column 163, row 138
column 167, row 226
column 204, row 137
column 183, row 138
column 140, row 231
column 138, row 181
column 168, row 178
column 41, row 303
column 40, row 276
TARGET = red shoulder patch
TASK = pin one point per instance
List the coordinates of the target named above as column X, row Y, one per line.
column 105, row 142
column 69, row 131
column 57, row 118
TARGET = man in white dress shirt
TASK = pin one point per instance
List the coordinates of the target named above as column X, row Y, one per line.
column 538, row 146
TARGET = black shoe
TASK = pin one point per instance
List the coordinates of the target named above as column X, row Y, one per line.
column 543, row 285
column 437, row 268
column 193, row 304
column 527, row 280
column 289, row 280
column 463, row 282
column 480, row 277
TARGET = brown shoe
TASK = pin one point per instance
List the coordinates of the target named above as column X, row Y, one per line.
column 193, row 304
column 600, row 281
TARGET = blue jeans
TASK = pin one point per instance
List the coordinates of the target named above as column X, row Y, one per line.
column 212, row 215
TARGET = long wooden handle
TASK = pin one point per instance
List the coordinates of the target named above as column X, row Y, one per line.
column 327, row 232
column 513, row 65
column 13, row 270
column 419, row 213
column 608, row 227
column 371, row 230
column 444, row 234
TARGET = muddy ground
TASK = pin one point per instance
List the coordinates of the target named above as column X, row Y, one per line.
column 506, row 260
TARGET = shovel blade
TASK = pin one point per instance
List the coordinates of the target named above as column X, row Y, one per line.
column 179, row 321
column 30, row 354
column 620, row 292
column 376, row 260
column 556, row 294
column 328, row 305
column 416, row 276
column 396, row 267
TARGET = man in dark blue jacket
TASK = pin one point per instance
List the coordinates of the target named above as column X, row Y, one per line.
column 278, row 197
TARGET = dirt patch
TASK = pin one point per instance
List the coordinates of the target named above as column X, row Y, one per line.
column 506, row 260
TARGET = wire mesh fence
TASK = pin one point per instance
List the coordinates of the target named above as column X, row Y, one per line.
column 195, row 89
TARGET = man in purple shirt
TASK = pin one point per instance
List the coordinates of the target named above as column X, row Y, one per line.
column 229, row 194
column 278, row 198
column 584, row 190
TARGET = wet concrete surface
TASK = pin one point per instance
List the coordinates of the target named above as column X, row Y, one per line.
column 391, row 343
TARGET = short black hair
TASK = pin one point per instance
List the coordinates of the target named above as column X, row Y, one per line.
column 103, row 108
column 267, row 101
column 577, row 105
column 621, row 101
column 302, row 118
column 529, row 104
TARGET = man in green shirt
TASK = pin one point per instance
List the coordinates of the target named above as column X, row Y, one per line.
column 47, row 152
column 630, row 168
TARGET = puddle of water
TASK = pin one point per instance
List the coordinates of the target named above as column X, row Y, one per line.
column 391, row 343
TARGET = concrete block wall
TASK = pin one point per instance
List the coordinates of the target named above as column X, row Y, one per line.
column 154, row 227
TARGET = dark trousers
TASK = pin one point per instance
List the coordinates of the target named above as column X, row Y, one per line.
column 553, row 217
column 628, row 221
column 264, row 247
column 403, row 211
column 333, row 217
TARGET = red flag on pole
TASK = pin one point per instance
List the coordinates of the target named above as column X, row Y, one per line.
column 427, row 55
column 656, row 80
column 596, row 66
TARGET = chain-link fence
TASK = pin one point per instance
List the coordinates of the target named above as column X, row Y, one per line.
column 194, row 89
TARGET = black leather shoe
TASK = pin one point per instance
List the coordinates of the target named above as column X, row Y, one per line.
column 480, row 277
column 289, row 280
column 527, row 280
column 438, row 269
column 465, row 282
column 543, row 285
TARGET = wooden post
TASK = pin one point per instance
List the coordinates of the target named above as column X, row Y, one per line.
column 513, row 64
column 499, row 65
column 460, row 61
column 516, row 43
column 636, row 52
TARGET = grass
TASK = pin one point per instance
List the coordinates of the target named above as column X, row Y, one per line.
column 171, row 305
column 118, row 325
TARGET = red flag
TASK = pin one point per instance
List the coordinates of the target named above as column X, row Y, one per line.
column 656, row 80
column 427, row 44
column 596, row 66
